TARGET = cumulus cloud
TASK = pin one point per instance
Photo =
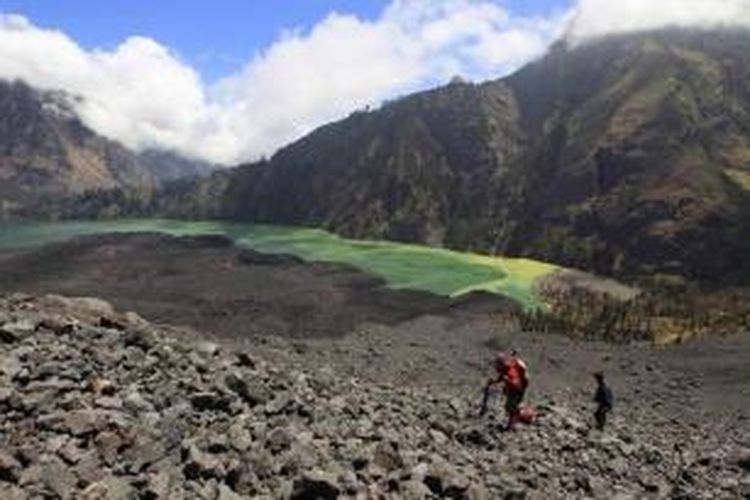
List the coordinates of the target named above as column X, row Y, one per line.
column 139, row 93
column 345, row 63
column 144, row 95
column 600, row 17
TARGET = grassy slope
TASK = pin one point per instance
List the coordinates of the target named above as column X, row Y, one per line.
column 415, row 267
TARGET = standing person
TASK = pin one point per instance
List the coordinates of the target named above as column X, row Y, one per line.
column 511, row 373
column 603, row 399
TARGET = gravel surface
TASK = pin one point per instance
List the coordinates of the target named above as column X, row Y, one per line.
column 379, row 399
column 100, row 405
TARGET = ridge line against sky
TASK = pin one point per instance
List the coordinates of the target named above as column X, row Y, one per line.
column 147, row 94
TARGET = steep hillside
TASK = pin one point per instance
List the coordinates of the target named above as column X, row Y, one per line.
column 47, row 153
column 639, row 154
column 627, row 156
column 52, row 164
column 424, row 168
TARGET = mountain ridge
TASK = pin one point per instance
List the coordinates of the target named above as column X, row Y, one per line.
column 49, row 157
column 47, row 152
column 626, row 156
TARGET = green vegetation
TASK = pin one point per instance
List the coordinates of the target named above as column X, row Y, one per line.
column 664, row 315
column 402, row 266
column 741, row 177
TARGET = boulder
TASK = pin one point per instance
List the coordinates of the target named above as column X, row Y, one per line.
column 278, row 440
column 102, row 387
column 251, row 390
column 16, row 331
column 135, row 403
column 71, row 451
column 159, row 485
column 10, row 366
column 226, row 493
column 742, row 459
column 110, row 488
column 141, row 338
column 387, row 456
column 145, row 451
column 316, row 485
column 210, row 401
column 110, row 444
column 10, row 468
column 200, row 465
column 241, row 477
column 245, row 359
column 89, row 468
column 58, row 477
column 279, row 404
column 443, row 479
column 83, row 422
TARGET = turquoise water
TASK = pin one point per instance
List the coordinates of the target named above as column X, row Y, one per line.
column 404, row 266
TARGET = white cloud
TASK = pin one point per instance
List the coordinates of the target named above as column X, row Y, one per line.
column 142, row 94
column 600, row 17
column 345, row 63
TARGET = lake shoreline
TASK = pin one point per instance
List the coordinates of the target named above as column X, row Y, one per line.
column 403, row 266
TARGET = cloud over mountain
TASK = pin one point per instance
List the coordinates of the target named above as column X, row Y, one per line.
column 600, row 17
column 144, row 95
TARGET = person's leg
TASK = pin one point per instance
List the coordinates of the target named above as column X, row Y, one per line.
column 601, row 418
column 512, row 407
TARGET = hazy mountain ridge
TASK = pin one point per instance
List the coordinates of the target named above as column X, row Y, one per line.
column 47, row 153
column 49, row 157
column 629, row 155
column 167, row 166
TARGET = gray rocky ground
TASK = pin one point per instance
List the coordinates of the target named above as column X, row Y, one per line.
column 321, row 382
column 95, row 404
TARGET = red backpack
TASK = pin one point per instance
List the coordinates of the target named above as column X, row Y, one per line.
column 515, row 374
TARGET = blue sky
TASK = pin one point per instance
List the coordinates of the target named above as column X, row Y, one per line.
column 217, row 36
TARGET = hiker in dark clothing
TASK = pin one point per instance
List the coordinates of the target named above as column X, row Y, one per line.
column 603, row 400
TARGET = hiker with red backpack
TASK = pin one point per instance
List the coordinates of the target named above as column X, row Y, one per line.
column 511, row 373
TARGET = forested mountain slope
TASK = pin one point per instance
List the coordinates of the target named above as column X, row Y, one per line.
column 627, row 155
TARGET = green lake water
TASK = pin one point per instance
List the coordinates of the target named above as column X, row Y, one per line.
column 403, row 266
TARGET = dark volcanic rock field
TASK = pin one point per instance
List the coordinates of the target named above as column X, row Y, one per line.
column 96, row 404
column 296, row 380
column 206, row 283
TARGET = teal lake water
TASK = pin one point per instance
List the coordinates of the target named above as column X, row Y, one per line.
column 417, row 267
